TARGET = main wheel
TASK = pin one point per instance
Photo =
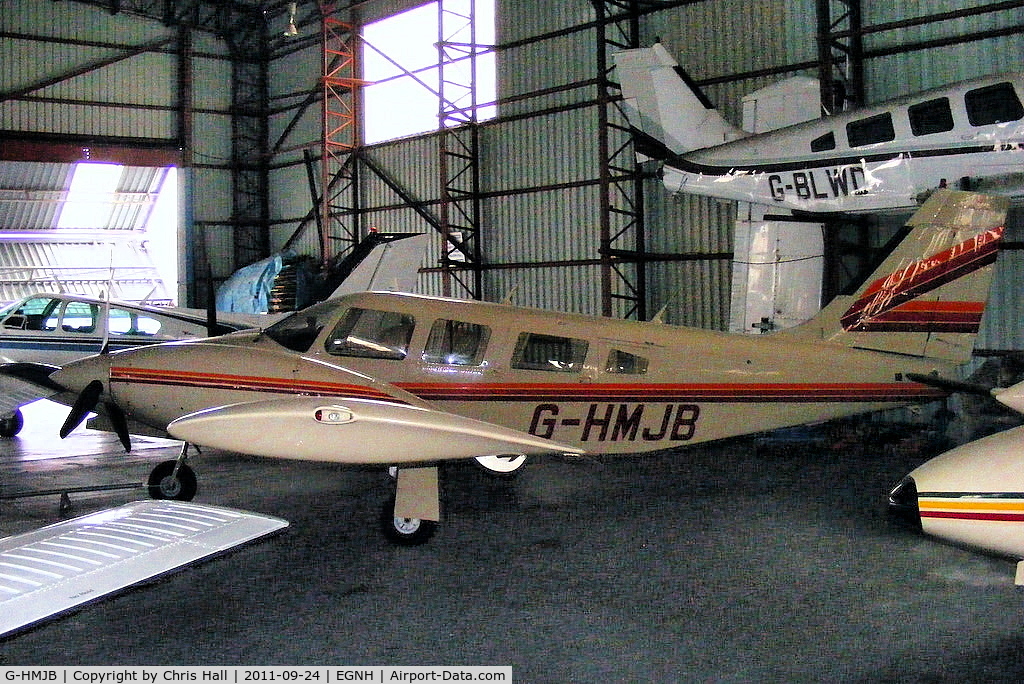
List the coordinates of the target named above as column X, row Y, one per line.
column 504, row 465
column 164, row 485
column 11, row 424
column 405, row 531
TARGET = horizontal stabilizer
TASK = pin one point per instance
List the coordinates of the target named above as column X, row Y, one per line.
column 662, row 104
column 56, row 568
column 356, row 431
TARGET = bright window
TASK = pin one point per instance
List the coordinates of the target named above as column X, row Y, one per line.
column 401, row 58
column 90, row 197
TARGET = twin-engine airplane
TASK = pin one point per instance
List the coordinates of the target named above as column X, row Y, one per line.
column 412, row 381
column 973, row 495
column 885, row 156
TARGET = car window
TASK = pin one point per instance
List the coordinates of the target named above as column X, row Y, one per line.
column 456, row 343
column 549, row 353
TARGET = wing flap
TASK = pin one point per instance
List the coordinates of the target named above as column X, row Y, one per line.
column 356, row 431
column 59, row 567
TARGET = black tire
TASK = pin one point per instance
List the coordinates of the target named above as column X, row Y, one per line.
column 163, row 486
column 11, row 424
column 405, row 531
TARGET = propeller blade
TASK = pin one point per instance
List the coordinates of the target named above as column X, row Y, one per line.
column 949, row 385
column 120, row 423
column 83, row 405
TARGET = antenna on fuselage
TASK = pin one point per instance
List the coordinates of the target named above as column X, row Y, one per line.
column 660, row 316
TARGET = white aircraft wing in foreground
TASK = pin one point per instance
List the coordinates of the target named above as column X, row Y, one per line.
column 55, row 569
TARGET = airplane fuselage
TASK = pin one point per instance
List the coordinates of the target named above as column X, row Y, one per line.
column 881, row 157
column 603, row 385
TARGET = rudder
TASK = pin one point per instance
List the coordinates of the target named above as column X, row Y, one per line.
column 927, row 297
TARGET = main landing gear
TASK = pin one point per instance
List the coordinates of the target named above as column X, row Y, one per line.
column 410, row 517
column 173, row 479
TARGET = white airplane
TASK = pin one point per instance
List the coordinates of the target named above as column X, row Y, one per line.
column 973, row 495
column 55, row 328
column 885, row 156
column 410, row 381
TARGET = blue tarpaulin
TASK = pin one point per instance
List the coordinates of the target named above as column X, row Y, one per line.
column 248, row 288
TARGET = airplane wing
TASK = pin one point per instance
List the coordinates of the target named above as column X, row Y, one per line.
column 23, row 383
column 356, row 431
column 56, row 568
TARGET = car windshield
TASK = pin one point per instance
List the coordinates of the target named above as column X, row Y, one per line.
column 298, row 331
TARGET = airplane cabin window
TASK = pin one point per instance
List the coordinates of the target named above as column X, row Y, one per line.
column 874, row 129
column 372, row 334
column 625, row 363
column 993, row 104
column 549, row 353
column 123, row 322
column 456, row 343
column 824, row 143
column 933, row 116
column 79, row 317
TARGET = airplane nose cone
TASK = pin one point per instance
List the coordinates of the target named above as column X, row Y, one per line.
column 77, row 374
column 903, row 502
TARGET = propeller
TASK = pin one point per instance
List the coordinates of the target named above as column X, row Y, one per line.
column 950, row 385
column 86, row 402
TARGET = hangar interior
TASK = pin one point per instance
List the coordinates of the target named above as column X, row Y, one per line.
column 542, row 198
column 247, row 116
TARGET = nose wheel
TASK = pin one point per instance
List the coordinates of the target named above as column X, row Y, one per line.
column 173, row 479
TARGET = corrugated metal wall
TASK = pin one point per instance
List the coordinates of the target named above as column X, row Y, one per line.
column 539, row 162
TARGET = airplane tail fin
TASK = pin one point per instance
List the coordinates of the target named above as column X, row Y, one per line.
column 670, row 113
column 927, row 297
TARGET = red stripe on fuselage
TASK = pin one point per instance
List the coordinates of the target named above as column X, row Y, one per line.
column 709, row 392
column 244, row 383
column 969, row 515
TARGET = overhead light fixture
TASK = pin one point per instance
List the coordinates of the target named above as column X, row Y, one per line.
column 291, row 30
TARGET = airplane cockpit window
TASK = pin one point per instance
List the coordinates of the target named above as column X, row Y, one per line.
column 372, row 334
column 79, row 317
column 37, row 313
column 993, row 104
column 625, row 363
column 299, row 331
column 874, row 129
column 456, row 343
column 824, row 143
column 933, row 116
column 549, row 353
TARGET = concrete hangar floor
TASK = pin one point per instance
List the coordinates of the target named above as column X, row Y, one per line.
column 754, row 560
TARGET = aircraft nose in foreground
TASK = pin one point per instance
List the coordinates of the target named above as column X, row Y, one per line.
column 76, row 375
column 903, row 502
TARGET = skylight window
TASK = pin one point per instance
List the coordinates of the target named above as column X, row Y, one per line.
column 401, row 60
column 90, row 197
